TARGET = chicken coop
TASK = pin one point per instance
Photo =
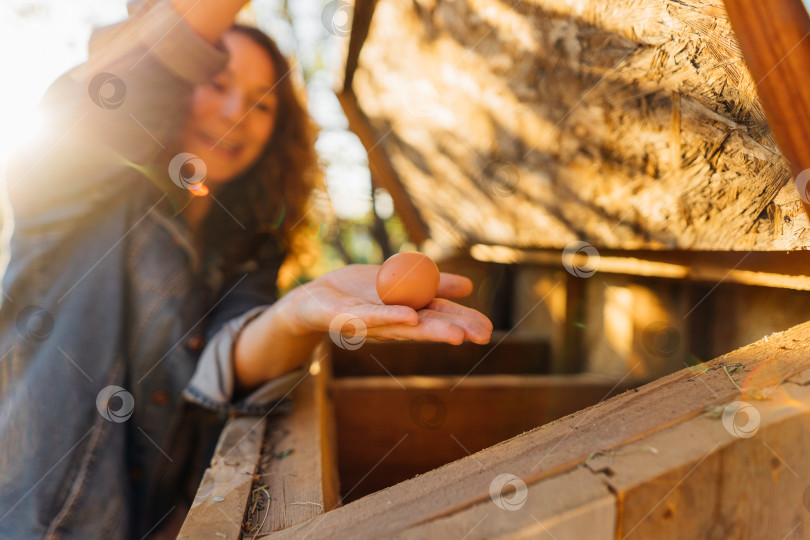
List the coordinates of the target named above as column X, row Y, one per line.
column 625, row 181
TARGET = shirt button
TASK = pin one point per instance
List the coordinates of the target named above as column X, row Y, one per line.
column 160, row 397
column 196, row 343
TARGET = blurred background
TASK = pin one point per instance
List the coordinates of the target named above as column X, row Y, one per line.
column 41, row 39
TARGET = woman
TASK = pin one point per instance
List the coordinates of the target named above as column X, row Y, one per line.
column 138, row 311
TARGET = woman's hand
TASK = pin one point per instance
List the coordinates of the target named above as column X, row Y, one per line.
column 350, row 292
column 345, row 301
column 209, row 18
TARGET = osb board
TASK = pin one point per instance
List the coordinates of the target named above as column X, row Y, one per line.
column 630, row 124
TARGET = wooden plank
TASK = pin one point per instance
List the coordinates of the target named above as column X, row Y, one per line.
column 391, row 429
column 220, row 502
column 561, row 445
column 638, row 326
column 325, row 406
column 698, row 480
column 572, row 506
column 773, row 36
column 297, row 473
column 538, row 300
column 739, row 315
column 505, row 354
column 749, row 268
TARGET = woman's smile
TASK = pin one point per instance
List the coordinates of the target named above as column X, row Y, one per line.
column 226, row 147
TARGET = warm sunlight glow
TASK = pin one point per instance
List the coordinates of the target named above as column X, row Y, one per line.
column 198, row 190
column 41, row 42
column 618, row 320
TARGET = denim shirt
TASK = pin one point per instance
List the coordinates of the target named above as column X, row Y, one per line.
column 116, row 371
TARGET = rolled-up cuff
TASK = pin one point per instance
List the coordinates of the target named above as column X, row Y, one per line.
column 214, row 380
column 159, row 28
column 178, row 47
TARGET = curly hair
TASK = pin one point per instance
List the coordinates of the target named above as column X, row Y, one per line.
column 271, row 200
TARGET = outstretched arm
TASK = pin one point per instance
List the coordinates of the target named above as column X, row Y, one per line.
column 283, row 337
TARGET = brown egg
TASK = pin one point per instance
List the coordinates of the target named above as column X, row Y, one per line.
column 408, row 279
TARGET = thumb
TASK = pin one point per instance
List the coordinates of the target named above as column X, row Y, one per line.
column 454, row 286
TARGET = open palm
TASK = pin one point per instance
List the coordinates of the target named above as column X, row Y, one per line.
column 350, row 293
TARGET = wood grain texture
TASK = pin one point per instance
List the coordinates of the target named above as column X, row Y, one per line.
column 296, row 478
column 631, row 125
column 576, row 505
column 698, row 480
column 221, row 499
column 636, row 326
column 505, row 354
column 568, row 442
column 773, row 36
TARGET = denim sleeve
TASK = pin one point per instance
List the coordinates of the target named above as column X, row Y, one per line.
column 255, row 286
column 213, row 382
column 242, row 298
column 108, row 119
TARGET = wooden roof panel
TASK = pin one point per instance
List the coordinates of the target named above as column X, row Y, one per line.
column 631, row 125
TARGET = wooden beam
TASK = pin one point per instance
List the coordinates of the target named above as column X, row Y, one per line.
column 572, row 359
column 786, row 270
column 561, row 446
column 774, row 37
column 219, row 506
column 505, row 354
column 381, row 167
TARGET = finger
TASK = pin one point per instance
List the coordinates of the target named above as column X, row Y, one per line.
column 446, row 306
column 454, row 286
column 430, row 329
column 382, row 315
column 437, row 326
column 473, row 328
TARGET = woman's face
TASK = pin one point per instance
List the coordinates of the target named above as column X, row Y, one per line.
column 232, row 117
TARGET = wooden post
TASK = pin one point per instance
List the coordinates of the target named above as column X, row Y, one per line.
column 775, row 40
column 381, row 168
